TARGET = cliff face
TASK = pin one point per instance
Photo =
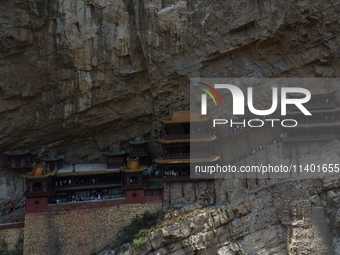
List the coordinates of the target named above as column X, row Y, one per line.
column 267, row 216
column 77, row 75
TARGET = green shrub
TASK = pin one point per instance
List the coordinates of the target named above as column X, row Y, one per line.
column 138, row 228
column 139, row 242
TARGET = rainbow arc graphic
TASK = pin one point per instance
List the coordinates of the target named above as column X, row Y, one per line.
column 211, row 92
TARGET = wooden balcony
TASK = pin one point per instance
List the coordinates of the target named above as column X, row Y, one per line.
column 176, row 136
column 176, row 178
column 186, row 136
column 89, row 186
column 39, row 193
column 187, row 155
column 176, row 156
column 25, row 165
column 115, row 165
column 134, row 186
column 139, row 154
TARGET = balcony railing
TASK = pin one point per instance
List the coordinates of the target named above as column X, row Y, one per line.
column 19, row 165
column 176, row 178
column 139, row 154
column 176, row 136
column 185, row 136
column 187, row 155
column 89, row 184
column 176, row 156
column 134, row 186
column 40, row 192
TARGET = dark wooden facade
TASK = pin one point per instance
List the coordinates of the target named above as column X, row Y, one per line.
column 138, row 148
column 53, row 161
column 83, row 186
column 116, row 157
column 39, row 188
column 19, row 159
column 137, row 188
column 181, row 129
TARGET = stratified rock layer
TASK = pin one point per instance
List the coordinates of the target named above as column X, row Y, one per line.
column 288, row 217
column 77, row 75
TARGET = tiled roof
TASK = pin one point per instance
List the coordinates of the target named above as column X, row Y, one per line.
column 138, row 140
column 85, row 169
column 86, row 173
column 17, row 152
column 39, row 171
column 115, row 151
column 133, row 166
column 186, row 160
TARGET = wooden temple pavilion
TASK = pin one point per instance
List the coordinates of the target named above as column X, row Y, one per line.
column 181, row 129
column 39, row 188
column 19, row 159
column 53, row 161
column 137, row 189
column 139, row 149
column 322, row 125
column 116, row 157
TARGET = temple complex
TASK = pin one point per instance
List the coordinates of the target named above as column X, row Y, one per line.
column 127, row 176
column 121, row 177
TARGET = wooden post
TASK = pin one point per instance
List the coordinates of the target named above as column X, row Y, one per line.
column 214, row 192
column 8, row 182
column 162, row 193
column 195, row 191
column 169, row 194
